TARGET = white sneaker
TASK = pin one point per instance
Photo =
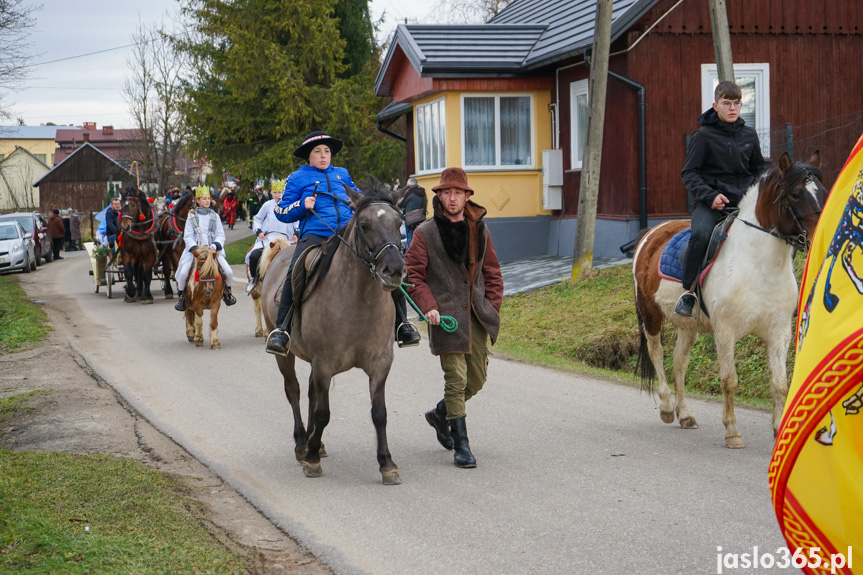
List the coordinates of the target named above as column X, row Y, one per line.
column 250, row 287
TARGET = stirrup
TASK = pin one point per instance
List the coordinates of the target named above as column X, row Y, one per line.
column 410, row 343
column 695, row 305
column 274, row 351
column 250, row 287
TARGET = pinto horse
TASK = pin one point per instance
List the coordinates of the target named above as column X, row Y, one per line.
column 347, row 321
column 138, row 245
column 750, row 289
column 204, row 292
column 169, row 239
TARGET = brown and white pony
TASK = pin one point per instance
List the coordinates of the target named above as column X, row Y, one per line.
column 750, row 289
column 271, row 248
column 204, row 291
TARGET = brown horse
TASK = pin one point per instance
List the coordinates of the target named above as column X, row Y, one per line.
column 169, row 239
column 750, row 289
column 204, row 291
column 271, row 248
column 347, row 321
column 138, row 245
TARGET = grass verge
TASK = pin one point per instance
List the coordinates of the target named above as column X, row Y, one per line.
column 591, row 327
column 22, row 323
column 235, row 252
column 64, row 513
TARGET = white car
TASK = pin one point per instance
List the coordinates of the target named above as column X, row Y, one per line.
column 17, row 251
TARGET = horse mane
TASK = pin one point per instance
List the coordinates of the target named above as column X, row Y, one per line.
column 375, row 191
column 773, row 182
column 210, row 267
column 269, row 254
column 184, row 199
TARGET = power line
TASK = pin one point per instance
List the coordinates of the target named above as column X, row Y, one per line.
column 85, row 55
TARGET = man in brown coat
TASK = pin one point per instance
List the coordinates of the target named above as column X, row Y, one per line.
column 454, row 271
column 57, row 231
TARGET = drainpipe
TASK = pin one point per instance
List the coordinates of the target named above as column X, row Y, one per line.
column 388, row 133
column 642, row 139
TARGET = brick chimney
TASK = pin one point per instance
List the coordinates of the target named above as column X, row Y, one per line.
column 107, row 130
column 86, row 136
column 89, row 125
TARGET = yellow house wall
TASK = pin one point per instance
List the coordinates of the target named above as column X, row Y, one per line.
column 504, row 193
column 35, row 147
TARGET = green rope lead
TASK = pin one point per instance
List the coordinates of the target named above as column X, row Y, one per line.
column 447, row 322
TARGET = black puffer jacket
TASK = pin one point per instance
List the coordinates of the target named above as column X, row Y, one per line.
column 721, row 158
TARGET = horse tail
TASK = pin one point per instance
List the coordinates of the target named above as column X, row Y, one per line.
column 644, row 367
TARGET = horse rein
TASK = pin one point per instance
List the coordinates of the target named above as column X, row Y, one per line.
column 372, row 263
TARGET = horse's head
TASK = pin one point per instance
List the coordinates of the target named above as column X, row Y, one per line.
column 135, row 209
column 792, row 198
column 377, row 222
column 206, row 269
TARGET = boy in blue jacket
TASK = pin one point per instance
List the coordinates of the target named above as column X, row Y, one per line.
column 333, row 210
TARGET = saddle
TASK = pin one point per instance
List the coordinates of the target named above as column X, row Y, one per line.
column 674, row 253
column 304, row 280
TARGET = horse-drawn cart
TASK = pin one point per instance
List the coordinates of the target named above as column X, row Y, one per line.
column 106, row 270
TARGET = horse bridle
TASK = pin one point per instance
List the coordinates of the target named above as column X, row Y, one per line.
column 799, row 242
column 370, row 263
column 132, row 231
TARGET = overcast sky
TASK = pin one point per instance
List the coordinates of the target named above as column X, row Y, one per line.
column 88, row 88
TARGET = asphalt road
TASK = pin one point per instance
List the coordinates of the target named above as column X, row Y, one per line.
column 575, row 474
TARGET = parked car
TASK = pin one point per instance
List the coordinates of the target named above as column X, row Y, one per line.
column 35, row 225
column 16, row 249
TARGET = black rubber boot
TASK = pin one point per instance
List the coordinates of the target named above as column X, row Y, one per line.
column 227, row 296
column 437, row 419
column 461, row 456
column 181, row 301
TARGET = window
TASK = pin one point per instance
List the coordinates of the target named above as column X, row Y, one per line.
column 578, row 122
column 40, row 157
column 497, row 131
column 754, row 82
column 431, row 136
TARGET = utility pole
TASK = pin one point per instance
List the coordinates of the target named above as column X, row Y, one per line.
column 721, row 40
column 582, row 256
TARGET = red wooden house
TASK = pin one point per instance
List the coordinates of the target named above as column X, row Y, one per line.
column 798, row 63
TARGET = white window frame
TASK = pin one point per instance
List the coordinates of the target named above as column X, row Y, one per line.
column 576, row 89
column 761, row 73
column 418, row 112
column 497, row 167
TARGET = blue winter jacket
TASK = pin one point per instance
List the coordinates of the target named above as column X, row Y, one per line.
column 328, row 183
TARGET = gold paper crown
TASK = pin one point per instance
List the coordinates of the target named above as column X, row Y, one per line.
column 202, row 192
column 278, row 186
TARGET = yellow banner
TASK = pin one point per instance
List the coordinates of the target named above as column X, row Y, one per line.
column 816, row 472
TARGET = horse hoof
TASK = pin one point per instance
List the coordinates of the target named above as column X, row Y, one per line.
column 391, row 477
column 259, row 333
column 128, row 299
column 323, row 451
column 199, row 344
column 146, row 301
column 216, row 345
column 734, row 442
column 688, row 423
column 312, row 469
column 169, row 296
column 667, row 416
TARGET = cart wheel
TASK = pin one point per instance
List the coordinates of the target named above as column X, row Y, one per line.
column 108, row 281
